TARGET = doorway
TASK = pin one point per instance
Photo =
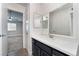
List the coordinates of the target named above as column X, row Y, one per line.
column 15, row 32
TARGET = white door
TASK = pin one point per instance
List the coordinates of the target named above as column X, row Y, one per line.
column 3, row 30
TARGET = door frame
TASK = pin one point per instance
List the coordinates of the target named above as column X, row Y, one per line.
column 3, row 30
column 22, row 9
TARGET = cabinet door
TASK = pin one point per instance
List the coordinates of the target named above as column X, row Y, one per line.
column 58, row 53
column 43, row 53
column 35, row 50
column 44, row 47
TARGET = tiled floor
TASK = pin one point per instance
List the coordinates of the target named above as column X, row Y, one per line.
column 14, row 44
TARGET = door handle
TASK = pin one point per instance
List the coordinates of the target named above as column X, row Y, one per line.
column 2, row 35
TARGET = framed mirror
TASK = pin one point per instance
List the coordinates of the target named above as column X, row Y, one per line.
column 61, row 21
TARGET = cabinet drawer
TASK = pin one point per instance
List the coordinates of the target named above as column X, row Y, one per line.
column 44, row 47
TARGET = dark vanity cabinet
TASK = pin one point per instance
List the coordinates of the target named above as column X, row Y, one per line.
column 36, row 50
column 40, row 49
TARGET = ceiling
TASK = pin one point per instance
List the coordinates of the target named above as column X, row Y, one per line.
column 24, row 4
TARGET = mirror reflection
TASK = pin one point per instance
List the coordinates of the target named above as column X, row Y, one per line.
column 40, row 21
column 61, row 21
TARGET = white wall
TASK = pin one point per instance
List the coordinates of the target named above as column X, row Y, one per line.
column 0, row 30
column 27, row 33
column 48, row 7
column 34, row 8
column 76, row 16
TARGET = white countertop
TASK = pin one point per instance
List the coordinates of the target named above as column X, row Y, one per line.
column 68, row 46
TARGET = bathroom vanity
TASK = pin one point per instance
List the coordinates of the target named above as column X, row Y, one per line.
column 43, row 45
column 41, row 49
column 61, row 39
